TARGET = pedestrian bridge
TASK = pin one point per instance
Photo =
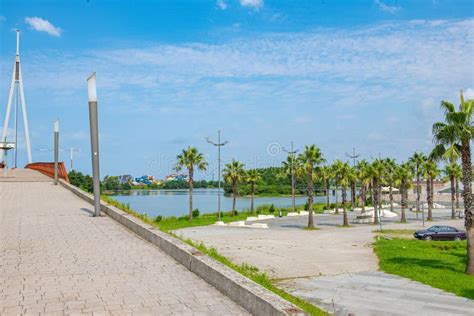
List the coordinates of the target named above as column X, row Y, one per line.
column 55, row 258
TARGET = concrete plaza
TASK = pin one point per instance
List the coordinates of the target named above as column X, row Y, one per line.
column 333, row 267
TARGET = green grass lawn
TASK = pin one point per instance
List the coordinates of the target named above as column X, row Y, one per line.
column 440, row 264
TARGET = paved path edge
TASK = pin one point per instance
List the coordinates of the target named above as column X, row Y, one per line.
column 246, row 293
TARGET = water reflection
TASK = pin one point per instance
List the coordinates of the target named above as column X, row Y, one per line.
column 176, row 202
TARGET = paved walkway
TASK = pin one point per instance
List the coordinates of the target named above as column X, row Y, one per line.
column 377, row 293
column 57, row 259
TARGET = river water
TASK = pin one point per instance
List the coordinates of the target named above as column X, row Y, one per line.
column 176, row 202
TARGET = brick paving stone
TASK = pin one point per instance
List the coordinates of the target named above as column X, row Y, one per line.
column 57, row 259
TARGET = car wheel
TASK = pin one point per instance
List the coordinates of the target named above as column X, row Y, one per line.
column 428, row 238
column 457, row 238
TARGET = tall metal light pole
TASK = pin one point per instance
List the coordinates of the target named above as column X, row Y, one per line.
column 354, row 156
column 218, row 145
column 94, row 127
column 71, row 156
column 56, row 150
column 292, row 153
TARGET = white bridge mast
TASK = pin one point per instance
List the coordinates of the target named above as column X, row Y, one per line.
column 17, row 81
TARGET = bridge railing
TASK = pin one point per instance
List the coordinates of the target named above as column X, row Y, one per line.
column 47, row 168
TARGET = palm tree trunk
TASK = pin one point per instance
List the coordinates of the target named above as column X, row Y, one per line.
column 327, row 194
column 432, row 192
column 406, row 196
column 457, row 192
column 337, row 200
column 310, row 200
column 253, row 195
column 363, row 196
column 467, row 195
column 353, row 195
column 453, row 198
column 344, row 208
column 375, row 198
column 371, row 191
column 379, row 192
column 403, row 203
column 428, row 198
column 190, row 195
column 234, row 196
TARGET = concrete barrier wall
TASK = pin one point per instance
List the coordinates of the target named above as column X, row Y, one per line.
column 248, row 294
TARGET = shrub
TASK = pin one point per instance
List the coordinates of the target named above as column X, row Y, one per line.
column 158, row 218
column 263, row 207
column 318, row 208
column 196, row 213
column 332, row 206
column 272, row 209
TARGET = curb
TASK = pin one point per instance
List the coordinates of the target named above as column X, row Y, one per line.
column 251, row 296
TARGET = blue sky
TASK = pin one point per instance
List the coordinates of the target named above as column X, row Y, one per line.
column 339, row 74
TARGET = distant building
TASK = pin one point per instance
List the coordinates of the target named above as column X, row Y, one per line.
column 174, row 177
column 146, row 180
column 126, row 178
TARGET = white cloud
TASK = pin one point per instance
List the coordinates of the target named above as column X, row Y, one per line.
column 255, row 4
column 43, row 25
column 469, row 94
column 387, row 8
column 221, row 4
column 398, row 62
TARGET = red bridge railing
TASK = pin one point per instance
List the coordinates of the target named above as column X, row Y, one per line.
column 47, row 168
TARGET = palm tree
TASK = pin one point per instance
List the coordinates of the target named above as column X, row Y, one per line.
column 189, row 159
column 325, row 174
column 252, row 176
column 453, row 171
column 456, row 133
column 377, row 171
column 336, row 165
column 417, row 161
column 363, row 174
column 310, row 161
column 233, row 174
column 430, row 171
column 390, row 168
column 344, row 174
column 291, row 168
column 352, row 183
column 403, row 175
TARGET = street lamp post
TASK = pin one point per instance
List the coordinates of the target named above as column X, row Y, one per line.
column 94, row 128
column 292, row 170
column 218, row 145
column 56, row 150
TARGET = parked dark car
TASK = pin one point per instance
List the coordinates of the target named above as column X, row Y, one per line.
column 441, row 233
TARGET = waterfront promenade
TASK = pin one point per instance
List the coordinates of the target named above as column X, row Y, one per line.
column 55, row 259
